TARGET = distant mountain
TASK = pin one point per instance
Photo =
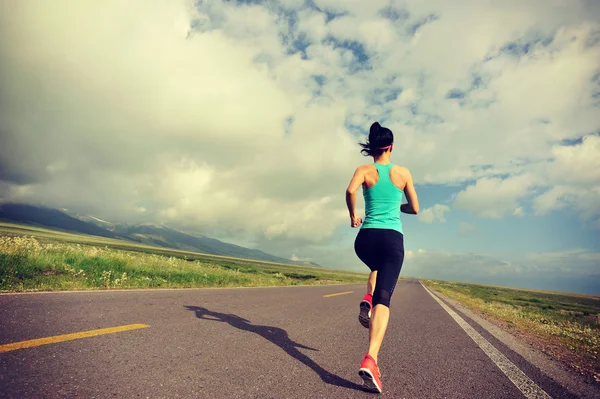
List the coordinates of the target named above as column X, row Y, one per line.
column 50, row 217
column 167, row 237
column 146, row 233
column 92, row 219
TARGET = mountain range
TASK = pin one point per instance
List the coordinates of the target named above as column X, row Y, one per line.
column 146, row 233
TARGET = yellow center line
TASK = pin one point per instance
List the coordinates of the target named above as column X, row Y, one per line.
column 339, row 293
column 68, row 337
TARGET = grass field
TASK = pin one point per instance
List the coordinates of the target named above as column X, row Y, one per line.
column 34, row 259
column 565, row 326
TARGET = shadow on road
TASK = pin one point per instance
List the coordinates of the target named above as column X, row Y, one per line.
column 279, row 337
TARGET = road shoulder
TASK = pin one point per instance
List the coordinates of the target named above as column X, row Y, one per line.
column 548, row 366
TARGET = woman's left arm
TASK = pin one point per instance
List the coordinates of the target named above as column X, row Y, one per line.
column 357, row 179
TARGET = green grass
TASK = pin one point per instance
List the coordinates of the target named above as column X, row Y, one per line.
column 45, row 235
column 567, row 325
column 63, row 261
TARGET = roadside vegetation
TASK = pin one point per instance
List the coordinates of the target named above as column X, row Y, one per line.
column 564, row 326
column 30, row 264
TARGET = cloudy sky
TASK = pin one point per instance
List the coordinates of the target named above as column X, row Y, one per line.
column 240, row 120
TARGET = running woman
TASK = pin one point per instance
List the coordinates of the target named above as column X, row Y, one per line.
column 380, row 241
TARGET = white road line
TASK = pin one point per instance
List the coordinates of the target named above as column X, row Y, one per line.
column 529, row 388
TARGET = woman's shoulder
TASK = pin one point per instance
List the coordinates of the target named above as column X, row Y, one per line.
column 400, row 169
column 366, row 167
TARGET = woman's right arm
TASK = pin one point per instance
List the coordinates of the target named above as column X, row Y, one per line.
column 412, row 207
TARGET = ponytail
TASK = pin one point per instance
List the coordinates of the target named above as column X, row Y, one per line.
column 380, row 138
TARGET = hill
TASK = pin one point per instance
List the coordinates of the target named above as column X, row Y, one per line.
column 49, row 217
column 149, row 234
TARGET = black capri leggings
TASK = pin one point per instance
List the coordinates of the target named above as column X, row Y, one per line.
column 381, row 250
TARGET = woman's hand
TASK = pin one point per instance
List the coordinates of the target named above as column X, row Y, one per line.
column 355, row 221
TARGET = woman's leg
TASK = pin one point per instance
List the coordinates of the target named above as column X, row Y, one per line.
column 380, row 316
column 371, row 282
column 366, row 303
column 386, row 280
column 366, row 250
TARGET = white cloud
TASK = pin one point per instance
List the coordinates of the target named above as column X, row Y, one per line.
column 436, row 212
column 579, row 164
column 571, row 271
column 205, row 113
column 406, row 97
column 550, row 200
column 523, row 83
column 378, row 35
column 194, row 113
column 494, row 197
column 570, row 178
column 295, row 258
column 573, row 179
column 313, row 25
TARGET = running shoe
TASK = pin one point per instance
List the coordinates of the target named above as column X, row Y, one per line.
column 369, row 372
column 365, row 310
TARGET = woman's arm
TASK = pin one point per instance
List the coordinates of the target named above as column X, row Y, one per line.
column 357, row 179
column 411, row 195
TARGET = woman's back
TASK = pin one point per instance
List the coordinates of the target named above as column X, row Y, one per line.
column 382, row 192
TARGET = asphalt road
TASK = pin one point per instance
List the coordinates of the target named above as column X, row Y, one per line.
column 293, row 342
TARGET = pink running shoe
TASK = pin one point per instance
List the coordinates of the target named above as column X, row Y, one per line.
column 369, row 372
column 366, row 304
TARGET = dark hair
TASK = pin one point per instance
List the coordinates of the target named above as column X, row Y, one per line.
column 379, row 137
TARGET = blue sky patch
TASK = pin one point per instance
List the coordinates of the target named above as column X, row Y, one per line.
column 384, row 95
column 516, row 48
column 477, row 81
column 455, row 93
column 329, row 15
column 289, row 121
column 571, row 142
column 481, row 168
column 414, row 28
column 596, row 89
column 356, row 130
column 299, row 45
column 394, row 14
column 321, row 80
column 414, row 109
column 525, row 45
column 245, row 1
column 593, row 39
column 420, row 118
column 201, row 25
column 357, row 49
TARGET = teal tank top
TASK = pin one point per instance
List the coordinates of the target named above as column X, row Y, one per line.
column 382, row 202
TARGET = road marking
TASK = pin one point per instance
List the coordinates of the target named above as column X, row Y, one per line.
column 68, row 337
column 339, row 293
column 529, row 388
